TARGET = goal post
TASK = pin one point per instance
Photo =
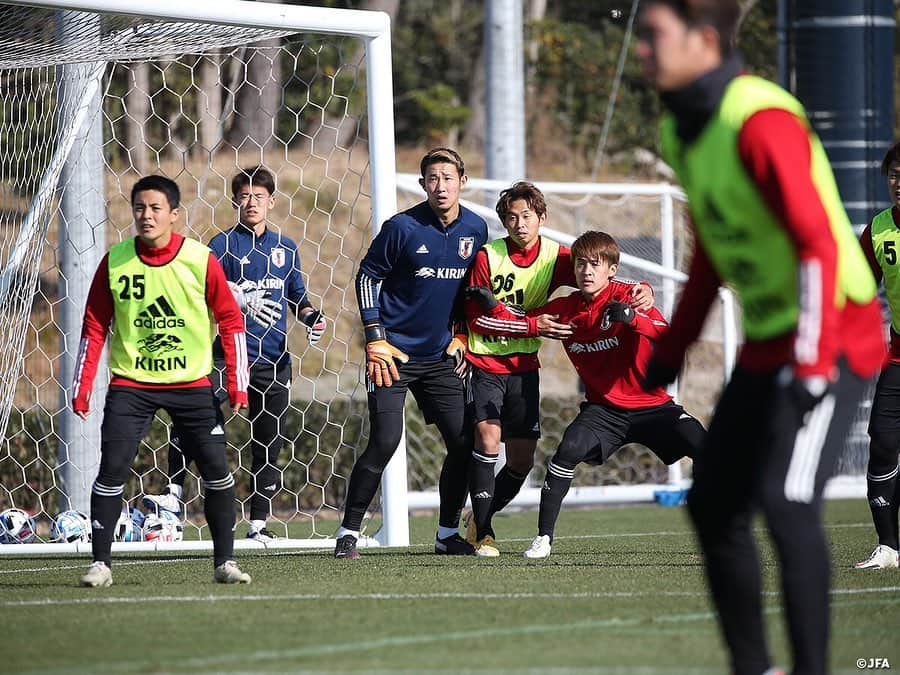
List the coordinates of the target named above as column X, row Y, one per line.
column 331, row 147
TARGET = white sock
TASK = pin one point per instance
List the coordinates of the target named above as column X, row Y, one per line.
column 176, row 490
column 343, row 531
column 257, row 525
column 444, row 532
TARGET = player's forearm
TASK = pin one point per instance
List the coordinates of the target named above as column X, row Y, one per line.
column 367, row 290
column 699, row 293
column 237, row 372
column 649, row 326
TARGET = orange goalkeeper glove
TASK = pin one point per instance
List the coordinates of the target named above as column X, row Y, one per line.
column 380, row 355
column 457, row 349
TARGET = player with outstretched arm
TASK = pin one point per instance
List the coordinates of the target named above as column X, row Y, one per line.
column 609, row 343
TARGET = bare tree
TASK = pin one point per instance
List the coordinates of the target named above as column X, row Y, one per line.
column 137, row 106
column 258, row 96
column 209, row 101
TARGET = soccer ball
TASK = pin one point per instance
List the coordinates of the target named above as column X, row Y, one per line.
column 71, row 526
column 163, row 526
column 16, row 527
column 130, row 525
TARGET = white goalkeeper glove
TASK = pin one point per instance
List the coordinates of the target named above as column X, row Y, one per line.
column 256, row 305
column 315, row 325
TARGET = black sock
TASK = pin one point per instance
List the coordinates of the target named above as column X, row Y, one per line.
column 481, row 489
column 218, row 506
column 453, row 484
column 105, row 509
column 556, row 485
column 507, row 484
column 881, row 494
column 361, row 491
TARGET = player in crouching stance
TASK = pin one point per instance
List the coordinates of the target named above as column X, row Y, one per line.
column 609, row 345
column 163, row 292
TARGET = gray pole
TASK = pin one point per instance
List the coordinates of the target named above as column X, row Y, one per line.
column 505, row 88
column 844, row 69
column 782, row 41
column 82, row 243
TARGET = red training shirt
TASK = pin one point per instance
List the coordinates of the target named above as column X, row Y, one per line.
column 611, row 360
column 774, row 148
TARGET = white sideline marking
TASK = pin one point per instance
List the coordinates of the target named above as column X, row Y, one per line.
column 410, row 640
column 666, row 533
column 53, row 602
column 119, row 563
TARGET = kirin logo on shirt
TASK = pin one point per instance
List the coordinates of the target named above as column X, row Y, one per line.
column 466, row 245
column 277, row 257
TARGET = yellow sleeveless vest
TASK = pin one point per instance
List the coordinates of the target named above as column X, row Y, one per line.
column 749, row 249
column 162, row 331
column 886, row 244
column 522, row 288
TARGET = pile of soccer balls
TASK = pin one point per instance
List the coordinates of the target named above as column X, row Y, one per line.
column 18, row 527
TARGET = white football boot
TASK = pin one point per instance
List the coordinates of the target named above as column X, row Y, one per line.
column 98, row 574
column 229, row 573
column 882, row 556
column 540, row 547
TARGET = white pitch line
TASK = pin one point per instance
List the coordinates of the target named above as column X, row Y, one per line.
column 222, row 660
column 54, row 602
column 663, row 533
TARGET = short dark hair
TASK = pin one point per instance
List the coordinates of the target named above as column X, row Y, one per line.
column 442, row 156
column 595, row 244
column 521, row 190
column 255, row 175
column 723, row 15
column 892, row 156
column 161, row 184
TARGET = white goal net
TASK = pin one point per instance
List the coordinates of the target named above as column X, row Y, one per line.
column 90, row 102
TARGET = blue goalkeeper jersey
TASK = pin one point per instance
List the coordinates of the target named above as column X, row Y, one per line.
column 269, row 262
column 410, row 277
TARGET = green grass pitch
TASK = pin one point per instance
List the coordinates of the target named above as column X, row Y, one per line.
column 623, row 592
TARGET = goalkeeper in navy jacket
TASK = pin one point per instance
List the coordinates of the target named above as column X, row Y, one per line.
column 263, row 271
column 407, row 286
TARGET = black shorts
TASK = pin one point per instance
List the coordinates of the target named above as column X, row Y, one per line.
column 884, row 421
column 438, row 390
column 667, row 430
column 514, row 399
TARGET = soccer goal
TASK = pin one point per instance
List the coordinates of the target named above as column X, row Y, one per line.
column 99, row 92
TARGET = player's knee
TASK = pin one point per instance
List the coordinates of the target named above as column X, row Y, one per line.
column 885, row 444
column 883, row 453
column 211, row 462
column 113, row 471
column 569, row 453
column 520, row 465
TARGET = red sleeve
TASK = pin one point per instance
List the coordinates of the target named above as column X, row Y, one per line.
column 564, row 270
column 479, row 275
column 98, row 314
column 774, row 146
column 699, row 292
column 865, row 241
column 231, row 329
column 651, row 324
